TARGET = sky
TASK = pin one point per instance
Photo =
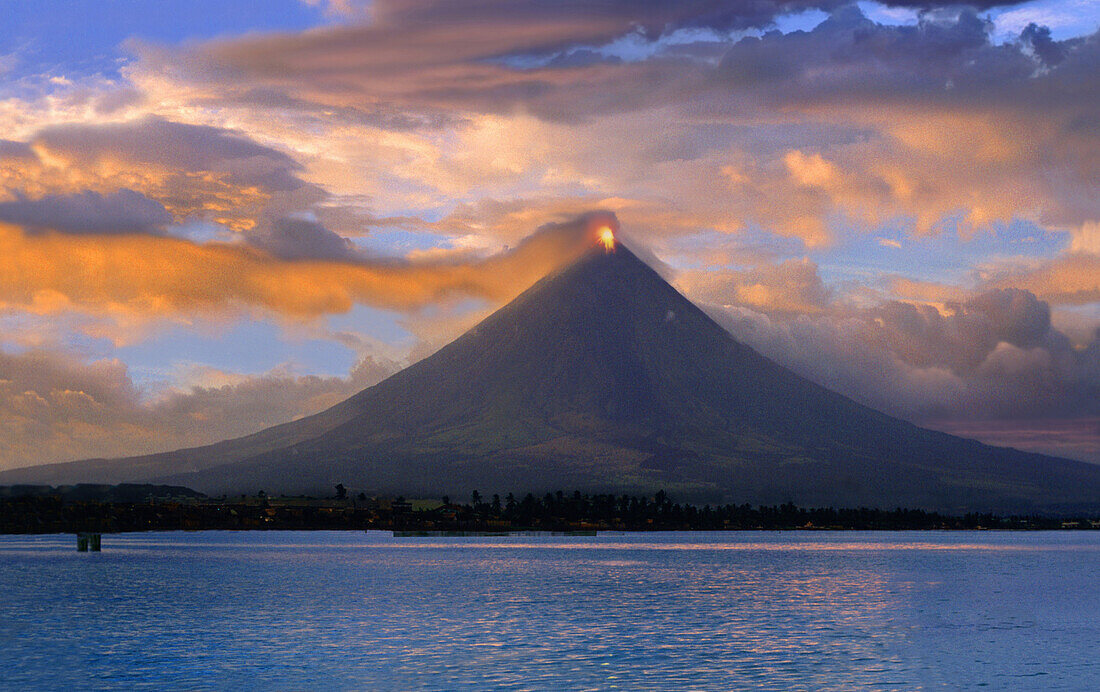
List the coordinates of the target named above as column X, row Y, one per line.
column 216, row 217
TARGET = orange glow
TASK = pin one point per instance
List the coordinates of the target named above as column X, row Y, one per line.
column 607, row 237
column 143, row 275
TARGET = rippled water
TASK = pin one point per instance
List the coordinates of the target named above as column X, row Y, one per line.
column 323, row 610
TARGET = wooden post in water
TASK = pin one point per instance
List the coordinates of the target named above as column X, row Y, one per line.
column 86, row 541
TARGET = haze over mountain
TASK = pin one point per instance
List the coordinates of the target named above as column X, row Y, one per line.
column 602, row 377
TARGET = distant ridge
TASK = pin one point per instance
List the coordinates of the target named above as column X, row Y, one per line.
column 90, row 492
column 602, row 377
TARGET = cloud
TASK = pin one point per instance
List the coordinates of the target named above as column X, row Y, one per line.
column 124, row 211
column 1070, row 279
column 1086, row 238
column 57, row 407
column 852, row 125
column 973, row 363
column 163, row 143
column 193, row 172
column 1075, row 438
column 295, row 238
column 342, row 8
column 15, row 150
column 508, row 221
column 656, row 15
column 149, row 276
column 947, row 56
column 373, row 72
column 954, row 127
column 427, row 59
column 992, row 356
column 791, row 287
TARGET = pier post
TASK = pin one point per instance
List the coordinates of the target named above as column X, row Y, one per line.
column 88, row 541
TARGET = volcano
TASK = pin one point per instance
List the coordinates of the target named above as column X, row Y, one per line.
column 601, row 377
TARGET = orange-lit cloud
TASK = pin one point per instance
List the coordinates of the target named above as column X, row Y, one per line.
column 791, row 287
column 193, row 172
column 852, row 123
column 1072, row 279
column 144, row 275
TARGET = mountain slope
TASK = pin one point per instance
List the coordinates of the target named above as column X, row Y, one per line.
column 603, row 377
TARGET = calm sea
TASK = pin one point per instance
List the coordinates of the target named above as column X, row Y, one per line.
column 676, row 611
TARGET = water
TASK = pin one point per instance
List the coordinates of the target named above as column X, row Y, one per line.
column 677, row 611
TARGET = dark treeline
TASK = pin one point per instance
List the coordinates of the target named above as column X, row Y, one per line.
column 552, row 512
column 660, row 513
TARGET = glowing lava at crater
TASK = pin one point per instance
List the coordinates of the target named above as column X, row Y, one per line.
column 606, row 236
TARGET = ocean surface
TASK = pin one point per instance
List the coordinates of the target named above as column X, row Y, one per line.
column 674, row 611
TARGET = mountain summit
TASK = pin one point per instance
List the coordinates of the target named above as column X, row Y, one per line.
column 602, row 377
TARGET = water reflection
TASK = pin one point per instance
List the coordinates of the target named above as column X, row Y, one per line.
column 658, row 611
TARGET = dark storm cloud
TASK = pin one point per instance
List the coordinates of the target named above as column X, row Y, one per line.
column 436, row 57
column 994, row 355
column 15, row 150
column 959, row 124
column 293, row 238
column 654, row 16
column 398, row 71
column 174, row 145
column 124, row 211
column 948, row 55
column 1017, row 317
column 1038, row 38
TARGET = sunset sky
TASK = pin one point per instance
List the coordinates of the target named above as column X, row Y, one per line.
column 218, row 216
